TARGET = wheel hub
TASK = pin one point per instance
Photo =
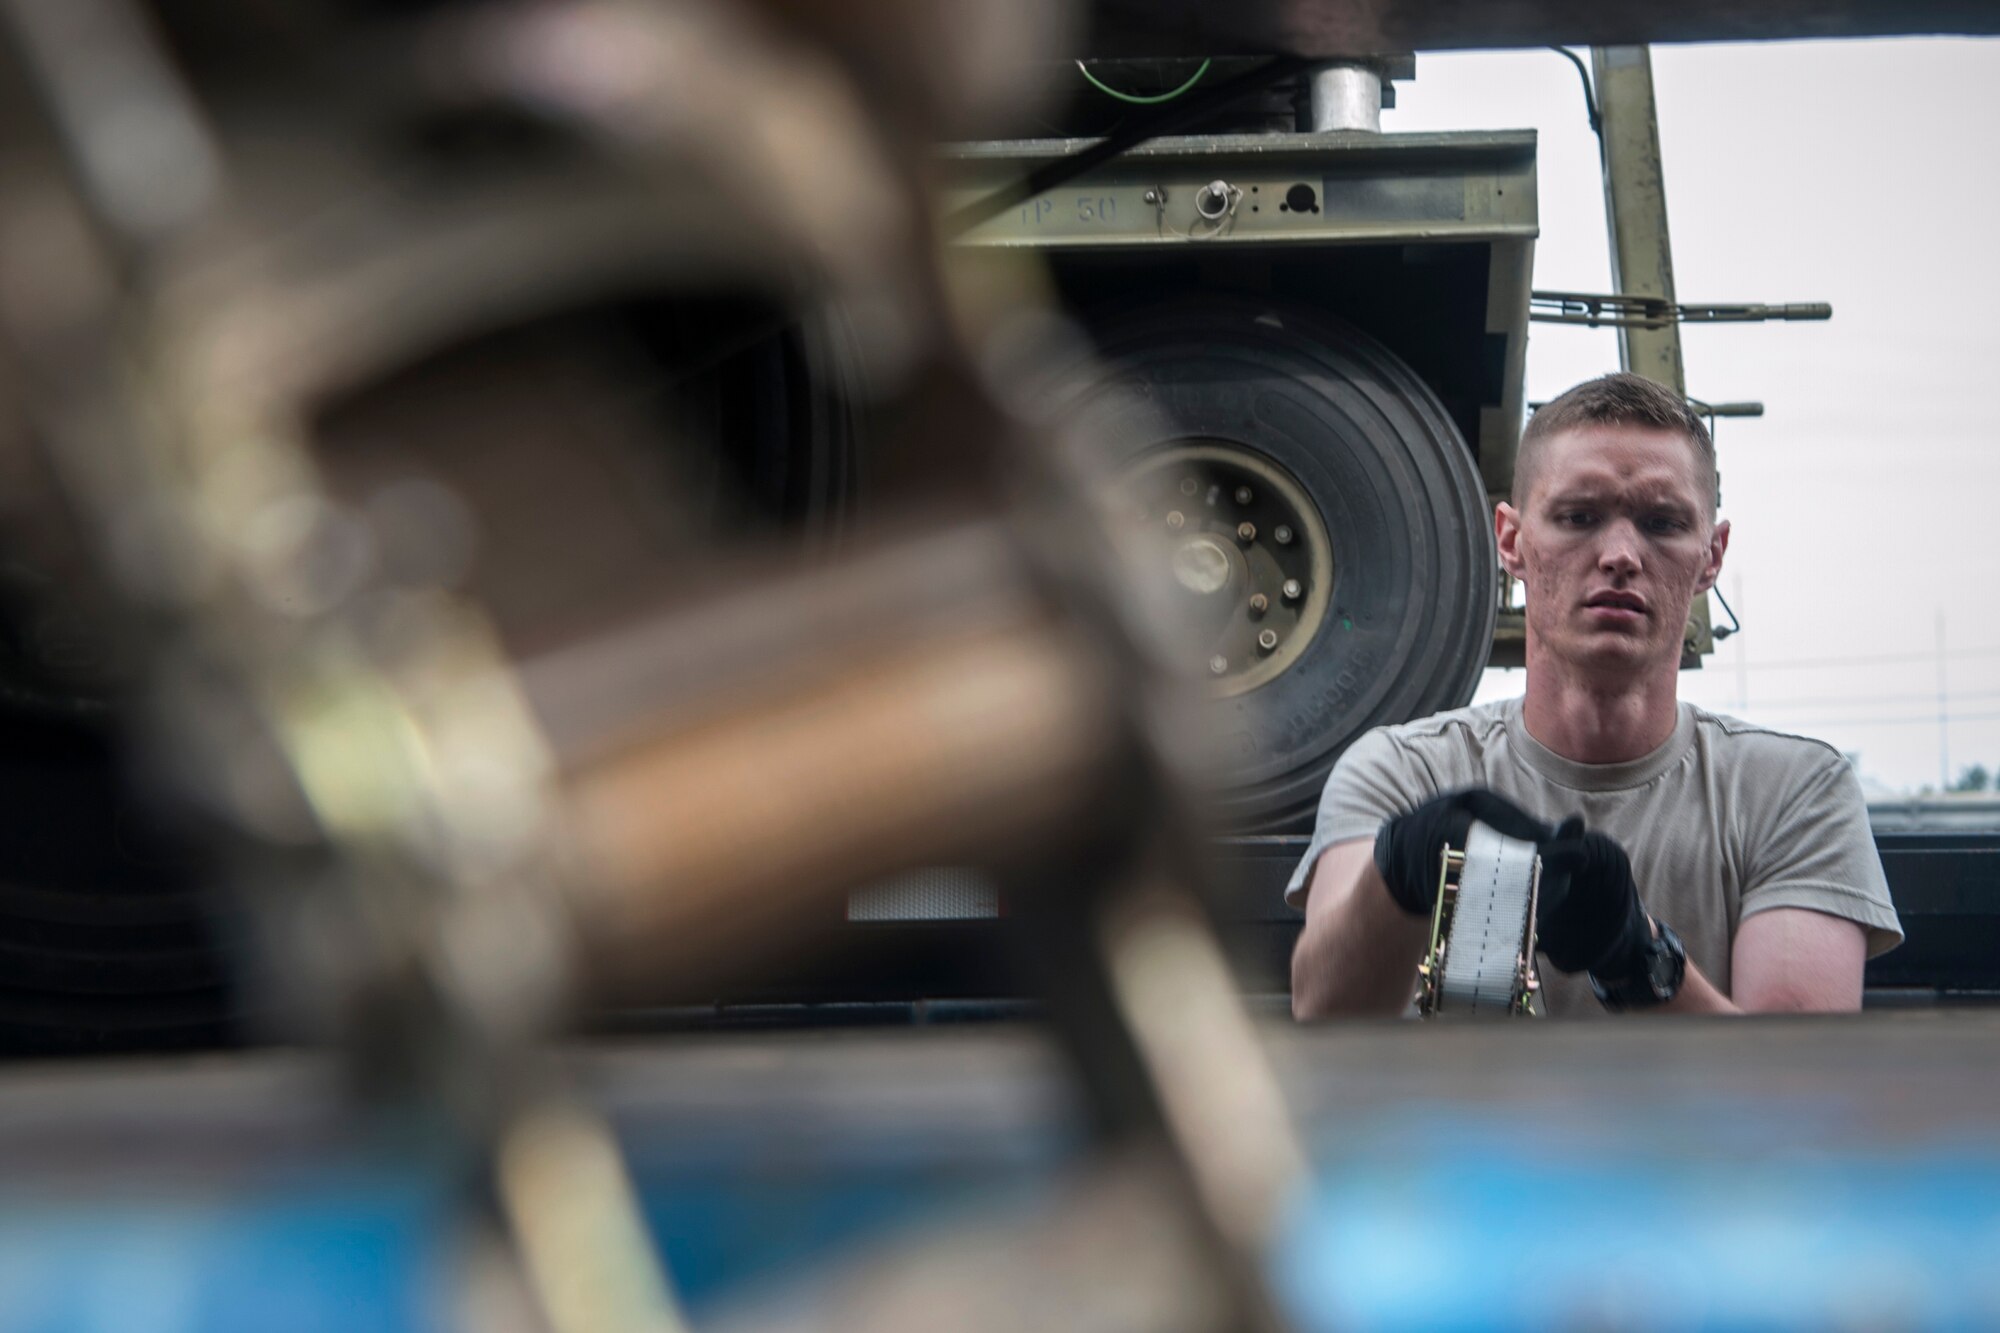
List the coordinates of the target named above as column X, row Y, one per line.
column 1248, row 552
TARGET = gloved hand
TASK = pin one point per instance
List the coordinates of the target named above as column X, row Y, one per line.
column 1407, row 846
column 1588, row 915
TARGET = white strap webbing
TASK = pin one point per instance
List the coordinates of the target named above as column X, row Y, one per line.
column 1488, row 923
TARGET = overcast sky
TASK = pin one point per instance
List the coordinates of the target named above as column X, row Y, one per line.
column 1864, row 174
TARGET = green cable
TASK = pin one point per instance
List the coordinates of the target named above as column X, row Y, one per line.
column 1134, row 98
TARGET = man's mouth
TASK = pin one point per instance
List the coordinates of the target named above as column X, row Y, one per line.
column 1617, row 601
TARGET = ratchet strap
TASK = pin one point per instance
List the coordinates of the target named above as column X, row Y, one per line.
column 1481, row 961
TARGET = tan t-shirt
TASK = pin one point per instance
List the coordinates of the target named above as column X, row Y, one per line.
column 1723, row 821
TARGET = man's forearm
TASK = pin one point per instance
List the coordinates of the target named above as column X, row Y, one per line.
column 1698, row 995
column 1784, row 961
column 1359, row 951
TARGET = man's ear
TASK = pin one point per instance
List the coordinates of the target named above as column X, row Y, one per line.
column 1507, row 536
column 1718, row 543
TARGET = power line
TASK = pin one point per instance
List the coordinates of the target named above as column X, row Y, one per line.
column 1876, row 659
column 1915, row 720
column 1857, row 700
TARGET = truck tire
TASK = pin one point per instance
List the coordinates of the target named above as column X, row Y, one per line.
column 1336, row 438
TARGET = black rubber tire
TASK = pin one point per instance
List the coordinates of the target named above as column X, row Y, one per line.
column 1410, row 624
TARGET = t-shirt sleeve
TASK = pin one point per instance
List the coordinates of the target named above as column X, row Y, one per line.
column 1376, row 777
column 1821, row 855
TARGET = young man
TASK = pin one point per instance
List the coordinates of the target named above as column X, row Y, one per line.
column 1691, row 863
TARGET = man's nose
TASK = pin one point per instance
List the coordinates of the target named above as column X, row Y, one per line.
column 1620, row 550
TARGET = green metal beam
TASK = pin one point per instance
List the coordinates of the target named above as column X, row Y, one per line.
column 1635, row 201
column 1324, row 29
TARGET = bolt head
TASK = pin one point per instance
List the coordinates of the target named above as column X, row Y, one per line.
column 1246, row 532
column 1294, row 590
column 1243, row 495
column 1218, row 664
column 1283, row 534
column 1259, row 603
column 1176, row 519
column 1189, row 485
column 1268, row 640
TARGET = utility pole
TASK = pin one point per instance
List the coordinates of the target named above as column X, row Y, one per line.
column 1944, row 728
column 1742, row 666
column 1642, row 259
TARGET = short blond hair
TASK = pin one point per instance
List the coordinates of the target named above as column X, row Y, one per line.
column 1621, row 399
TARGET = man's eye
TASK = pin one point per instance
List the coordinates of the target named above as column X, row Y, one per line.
column 1576, row 518
column 1666, row 524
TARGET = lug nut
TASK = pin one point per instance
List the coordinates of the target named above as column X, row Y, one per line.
column 1293, row 590
column 1243, row 495
column 1189, row 485
column 1246, row 532
column 1218, row 664
column 1259, row 603
column 1176, row 519
column 1283, row 534
column 1268, row 640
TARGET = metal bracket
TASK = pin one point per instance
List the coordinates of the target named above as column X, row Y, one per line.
column 1430, row 972
column 1617, row 311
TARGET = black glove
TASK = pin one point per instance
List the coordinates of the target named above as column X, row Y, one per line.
column 1588, row 915
column 1407, row 846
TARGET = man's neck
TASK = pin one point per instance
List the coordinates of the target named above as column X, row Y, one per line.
column 1594, row 721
